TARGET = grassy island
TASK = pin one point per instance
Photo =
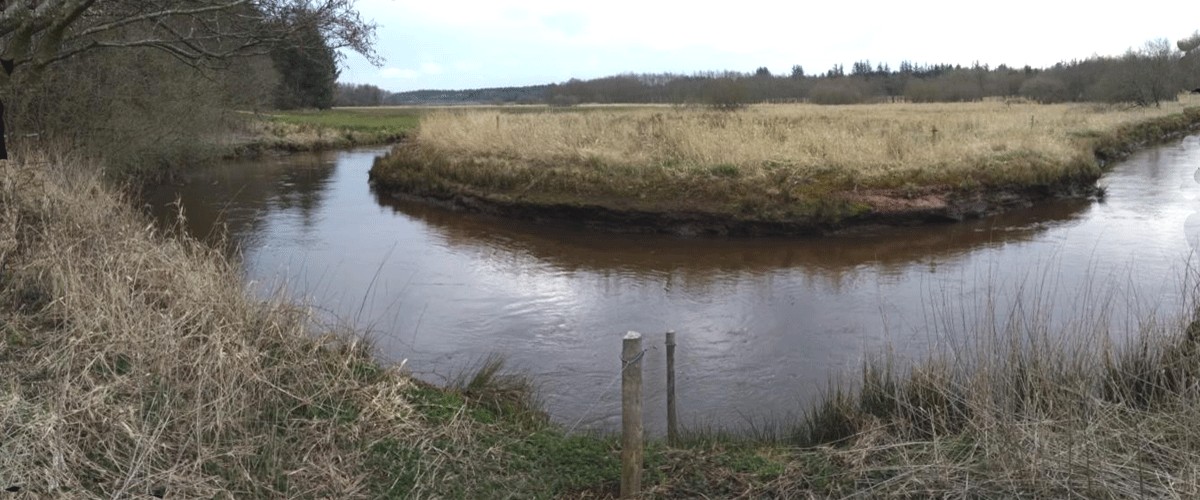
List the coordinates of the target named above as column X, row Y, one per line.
column 792, row 165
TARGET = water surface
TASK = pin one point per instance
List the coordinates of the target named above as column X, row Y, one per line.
column 762, row 323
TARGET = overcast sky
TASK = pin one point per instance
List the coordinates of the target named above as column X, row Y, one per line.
column 460, row 45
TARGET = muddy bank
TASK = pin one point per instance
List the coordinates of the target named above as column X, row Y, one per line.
column 889, row 208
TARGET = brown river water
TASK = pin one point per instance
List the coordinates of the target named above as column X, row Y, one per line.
column 762, row 323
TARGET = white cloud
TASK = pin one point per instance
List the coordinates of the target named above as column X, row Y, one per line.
column 397, row 73
column 470, row 40
column 467, row 65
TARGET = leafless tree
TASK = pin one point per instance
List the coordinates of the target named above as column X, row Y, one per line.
column 36, row 34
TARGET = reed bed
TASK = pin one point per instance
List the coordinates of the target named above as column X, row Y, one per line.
column 770, row 161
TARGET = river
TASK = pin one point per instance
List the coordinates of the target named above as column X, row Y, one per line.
column 762, row 323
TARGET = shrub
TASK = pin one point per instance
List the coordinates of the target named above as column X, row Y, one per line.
column 727, row 94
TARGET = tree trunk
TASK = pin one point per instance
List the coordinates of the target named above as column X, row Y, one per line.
column 7, row 65
column 3, row 140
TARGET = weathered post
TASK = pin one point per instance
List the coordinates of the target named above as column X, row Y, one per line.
column 631, row 414
column 672, row 423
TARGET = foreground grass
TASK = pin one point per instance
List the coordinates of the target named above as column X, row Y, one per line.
column 771, row 162
column 135, row 364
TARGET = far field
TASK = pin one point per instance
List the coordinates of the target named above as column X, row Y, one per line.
column 779, row 162
column 309, row 130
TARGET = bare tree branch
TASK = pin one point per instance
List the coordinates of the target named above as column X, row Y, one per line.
column 43, row 32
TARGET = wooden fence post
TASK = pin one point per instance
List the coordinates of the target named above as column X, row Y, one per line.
column 631, row 414
column 672, row 423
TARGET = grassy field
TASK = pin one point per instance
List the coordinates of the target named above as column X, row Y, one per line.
column 308, row 130
column 388, row 120
column 770, row 162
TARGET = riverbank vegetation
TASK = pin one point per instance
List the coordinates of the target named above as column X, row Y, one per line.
column 137, row 363
column 312, row 130
column 770, row 162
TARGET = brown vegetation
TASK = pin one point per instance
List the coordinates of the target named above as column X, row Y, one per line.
column 136, row 364
column 775, row 163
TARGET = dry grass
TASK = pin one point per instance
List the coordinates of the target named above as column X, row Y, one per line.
column 770, row 161
column 1027, row 407
column 136, row 364
column 874, row 141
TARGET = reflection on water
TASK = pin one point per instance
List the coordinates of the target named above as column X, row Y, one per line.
column 238, row 200
column 762, row 322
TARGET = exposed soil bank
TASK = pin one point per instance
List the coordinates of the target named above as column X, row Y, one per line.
column 889, row 209
column 837, row 211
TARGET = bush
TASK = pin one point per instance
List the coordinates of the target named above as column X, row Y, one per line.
column 837, row 91
column 1044, row 89
column 727, row 94
column 137, row 110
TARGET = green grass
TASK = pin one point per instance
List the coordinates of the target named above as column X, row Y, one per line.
column 307, row 130
column 383, row 121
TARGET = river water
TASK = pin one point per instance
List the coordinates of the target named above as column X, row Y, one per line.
column 762, row 323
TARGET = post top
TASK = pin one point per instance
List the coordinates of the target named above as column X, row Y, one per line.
column 632, row 335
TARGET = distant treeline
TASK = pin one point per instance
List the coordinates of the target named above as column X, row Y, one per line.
column 1145, row 76
column 348, row 94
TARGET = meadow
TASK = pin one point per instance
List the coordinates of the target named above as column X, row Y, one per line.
column 381, row 119
column 312, row 130
column 768, row 162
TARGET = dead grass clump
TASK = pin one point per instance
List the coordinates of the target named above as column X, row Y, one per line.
column 1024, row 409
column 135, row 364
